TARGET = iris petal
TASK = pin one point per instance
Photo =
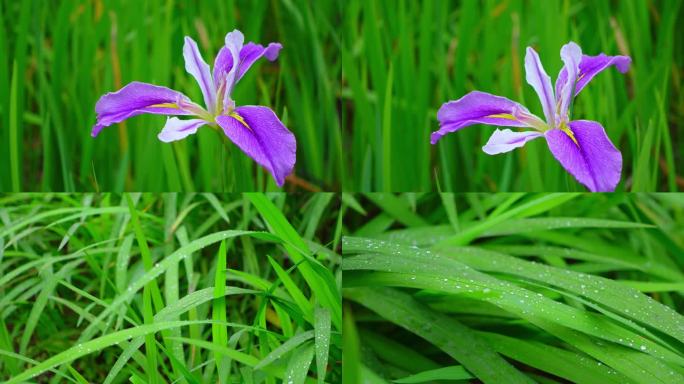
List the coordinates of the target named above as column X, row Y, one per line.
column 135, row 99
column 591, row 158
column 502, row 141
column 263, row 137
column 541, row 82
column 177, row 129
column 591, row 66
column 481, row 108
column 571, row 54
column 199, row 69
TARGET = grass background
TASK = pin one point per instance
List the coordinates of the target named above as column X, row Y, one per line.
column 218, row 288
column 59, row 57
column 514, row 288
column 403, row 59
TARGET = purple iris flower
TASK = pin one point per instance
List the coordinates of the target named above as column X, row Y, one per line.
column 581, row 146
column 255, row 129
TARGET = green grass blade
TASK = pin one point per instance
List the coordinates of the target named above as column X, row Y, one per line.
column 322, row 342
column 474, row 353
column 218, row 313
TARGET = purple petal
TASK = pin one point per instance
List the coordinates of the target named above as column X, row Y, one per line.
column 541, row 82
column 593, row 160
column 134, row 99
column 263, row 138
column 177, row 129
column 482, row 108
column 234, row 43
column 199, row 69
column 249, row 54
column 252, row 52
column 591, row 66
column 571, row 54
column 222, row 64
column 502, row 141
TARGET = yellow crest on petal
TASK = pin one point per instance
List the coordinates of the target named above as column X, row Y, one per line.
column 164, row 105
column 507, row 116
column 569, row 132
column 239, row 118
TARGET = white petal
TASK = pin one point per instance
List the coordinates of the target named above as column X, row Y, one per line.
column 571, row 54
column 506, row 140
column 177, row 129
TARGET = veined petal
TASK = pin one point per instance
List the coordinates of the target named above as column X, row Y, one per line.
column 199, row 69
column 177, row 129
column 249, row 54
column 591, row 157
column 263, row 137
column 482, row 108
column 571, row 54
column 591, row 66
column 137, row 98
column 252, row 52
column 234, row 43
column 502, row 141
column 541, row 82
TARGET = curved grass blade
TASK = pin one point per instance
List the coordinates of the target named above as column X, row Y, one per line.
column 626, row 301
column 285, row 348
column 219, row 333
column 457, row 340
column 298, row 366
column 95, row 345
column 455, row 372
column 322, row 341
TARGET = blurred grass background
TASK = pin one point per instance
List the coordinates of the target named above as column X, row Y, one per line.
column 402, row 59
column 59, row 57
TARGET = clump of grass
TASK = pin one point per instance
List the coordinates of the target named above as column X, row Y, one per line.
column 169, row 288
column 515, row 288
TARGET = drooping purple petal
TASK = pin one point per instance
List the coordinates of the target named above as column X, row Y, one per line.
column 199, row 69
column 482, row 108
column 591, row 66
column 137, row 98
column 502, row 141
column 571, row 54
column 249, row 54
column 252, row 52
column 541, row 82
column 593, row 160
column 260, row 134
column 177, row 129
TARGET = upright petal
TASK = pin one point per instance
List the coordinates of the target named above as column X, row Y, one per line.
column 260, row 134
column 250, row 53
column 502, row 141
column 482, row 108
column 222, row 65
column 234, row 43
column 571, row 54
column 135, row 99
column 593, row 159
column 541, row 82
column 177, row 129
column 199, row 69
column 591, row 66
